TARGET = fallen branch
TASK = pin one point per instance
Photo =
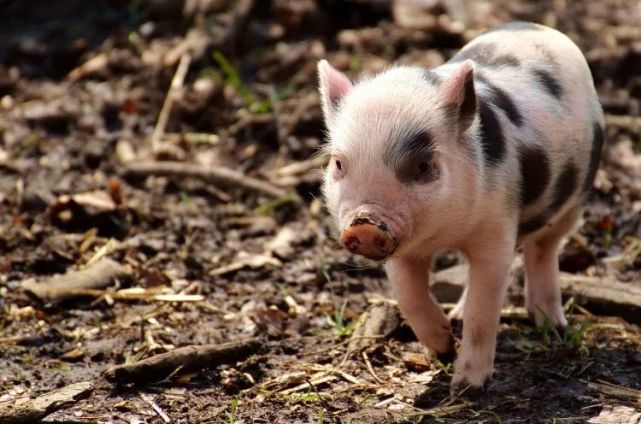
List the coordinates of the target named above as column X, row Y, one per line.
column 603, row 295
column 223, row 176
column 162, row 294
column 96, row 276
column 600, row 295
column 33, row 410
column 184, row 359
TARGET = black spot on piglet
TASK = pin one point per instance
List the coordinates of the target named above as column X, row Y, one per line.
column 549, row 83
column 492, row 140
column 432, row 78
column 535, row 173
column 595, row 155
column 565, row 186
column 406, row 156
column 533, row 224
column 503, row 101
column 484, row 54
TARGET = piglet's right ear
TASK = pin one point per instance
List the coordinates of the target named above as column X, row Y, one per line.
column 333, row 86
column 457, row 91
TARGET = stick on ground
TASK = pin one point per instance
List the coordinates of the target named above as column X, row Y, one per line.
column 189, row 358
column 33, row 410
column 600, row 295
column 222, row 176
column 176, row 82
column 99, row 275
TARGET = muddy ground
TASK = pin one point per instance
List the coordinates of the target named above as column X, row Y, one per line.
column 82, row 85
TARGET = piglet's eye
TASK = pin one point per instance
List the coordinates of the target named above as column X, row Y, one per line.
column 423, row 167
column 338, row 169
column 426, row 171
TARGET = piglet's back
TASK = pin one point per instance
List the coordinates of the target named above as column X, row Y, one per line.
column 540, row 119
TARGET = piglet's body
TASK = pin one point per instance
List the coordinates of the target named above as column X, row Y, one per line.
column 495, row 149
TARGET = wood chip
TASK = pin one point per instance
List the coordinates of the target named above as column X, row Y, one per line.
column 91, row 66
column 617, row 415
column 379, row 321
column 33, row 410
column 99, row 275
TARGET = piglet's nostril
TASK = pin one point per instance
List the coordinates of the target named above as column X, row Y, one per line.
column 352, row 244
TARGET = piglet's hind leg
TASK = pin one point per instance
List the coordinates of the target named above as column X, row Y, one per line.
column 542, row 292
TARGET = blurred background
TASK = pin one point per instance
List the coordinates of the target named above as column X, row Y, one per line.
column 177, row 139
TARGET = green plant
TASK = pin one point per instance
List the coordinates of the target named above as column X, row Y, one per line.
column 135, row 357
column 185, row 197
column 276, row 204
column 341, row 327
column 233, row 409
column 492, row 413
column 571, row 338
column 27, row 357
column 304, row 398
column 232, row 77
column 325, row 272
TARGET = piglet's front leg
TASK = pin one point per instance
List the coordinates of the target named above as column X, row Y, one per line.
column 489, row 269
column 409, row 278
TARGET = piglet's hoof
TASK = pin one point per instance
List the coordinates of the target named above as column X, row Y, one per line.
column 464, row 390
column 449, row 355
column 369, row 237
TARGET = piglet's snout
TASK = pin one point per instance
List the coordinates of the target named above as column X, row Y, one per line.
column 370, row 236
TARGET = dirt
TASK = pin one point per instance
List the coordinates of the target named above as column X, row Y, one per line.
column 81, row 88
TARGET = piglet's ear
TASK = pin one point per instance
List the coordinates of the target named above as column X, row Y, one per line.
column 457, row 91
column 333, row 86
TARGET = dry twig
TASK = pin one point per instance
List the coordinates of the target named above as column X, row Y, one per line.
column 222, row 176
column 176, row 83
column 297, row 168
column 188, row 359
column 155, row 407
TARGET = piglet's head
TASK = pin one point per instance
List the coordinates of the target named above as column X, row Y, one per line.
column 399, row 154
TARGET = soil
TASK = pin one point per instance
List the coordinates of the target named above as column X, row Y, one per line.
column 81, row 87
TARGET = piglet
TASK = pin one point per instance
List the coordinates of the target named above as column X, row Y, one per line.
column 495, row 150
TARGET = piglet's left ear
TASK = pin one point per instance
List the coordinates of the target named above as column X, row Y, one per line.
column 333, row 86
column 458, row 92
